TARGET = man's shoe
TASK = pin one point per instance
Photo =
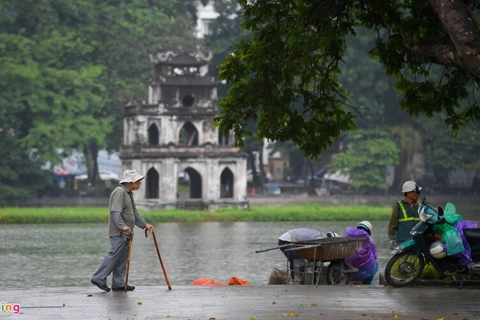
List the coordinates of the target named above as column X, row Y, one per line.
column 129, row 288
column 101, row 286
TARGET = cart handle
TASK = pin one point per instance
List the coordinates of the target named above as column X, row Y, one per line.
column 275, row 248
column 297, row 247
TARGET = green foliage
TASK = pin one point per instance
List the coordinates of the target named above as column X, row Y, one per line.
column 287, row 78
column 68, row 68
column 366, row 157
column 310, row 212
column 21, row 177
column 446, row 151
column 371, row 89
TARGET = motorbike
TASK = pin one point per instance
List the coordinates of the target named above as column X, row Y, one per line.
column 410, row 257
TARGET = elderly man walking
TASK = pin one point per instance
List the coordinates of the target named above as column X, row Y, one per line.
column 121, row 221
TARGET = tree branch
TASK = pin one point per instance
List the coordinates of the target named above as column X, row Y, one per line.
column 464, row 35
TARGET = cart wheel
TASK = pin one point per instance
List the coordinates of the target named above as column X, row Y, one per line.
column 335, row 275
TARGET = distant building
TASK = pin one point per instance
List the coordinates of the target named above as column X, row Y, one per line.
column 206, row 15
column 171, row 139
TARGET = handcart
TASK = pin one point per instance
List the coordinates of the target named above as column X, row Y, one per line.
column 331, row 250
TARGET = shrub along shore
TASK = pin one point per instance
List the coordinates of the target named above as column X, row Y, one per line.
column 304, row 212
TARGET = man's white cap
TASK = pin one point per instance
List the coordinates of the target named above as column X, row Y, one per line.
column 410, row 186
column 131, row 176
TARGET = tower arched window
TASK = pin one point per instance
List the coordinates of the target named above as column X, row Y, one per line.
column 153, row 135
column 188, row 135
column 226, row 184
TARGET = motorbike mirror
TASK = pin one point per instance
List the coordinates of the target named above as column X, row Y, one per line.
column 440, row 211
column 424, row 200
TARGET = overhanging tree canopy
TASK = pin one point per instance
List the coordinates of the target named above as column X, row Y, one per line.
column 286, row 77
column 67, row 68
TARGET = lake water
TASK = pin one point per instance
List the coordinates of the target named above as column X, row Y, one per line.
column 67, row 255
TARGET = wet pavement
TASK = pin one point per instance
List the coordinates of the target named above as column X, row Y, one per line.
column 246, row 302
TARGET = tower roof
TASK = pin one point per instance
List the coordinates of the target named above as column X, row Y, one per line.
column 187, row 81
column 181, row 59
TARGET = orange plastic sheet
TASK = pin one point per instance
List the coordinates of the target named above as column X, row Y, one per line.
column 206, row 282
column 234, row 281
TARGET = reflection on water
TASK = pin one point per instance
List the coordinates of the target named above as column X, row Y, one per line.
column 68, row 255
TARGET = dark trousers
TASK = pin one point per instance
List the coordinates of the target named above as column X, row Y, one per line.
column 114, row 262
column 291, row 255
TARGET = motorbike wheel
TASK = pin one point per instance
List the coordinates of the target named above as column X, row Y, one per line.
column 403, row 269
column 334, row 275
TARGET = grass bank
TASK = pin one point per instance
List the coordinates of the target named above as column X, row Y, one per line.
column 307, row 212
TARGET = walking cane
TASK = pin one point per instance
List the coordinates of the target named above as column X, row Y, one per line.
column 159, row 257
column 128, row 260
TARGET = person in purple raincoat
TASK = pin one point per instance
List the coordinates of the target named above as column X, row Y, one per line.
column 365, row 258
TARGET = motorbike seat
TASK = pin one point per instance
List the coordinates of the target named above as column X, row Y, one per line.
column 472, row 235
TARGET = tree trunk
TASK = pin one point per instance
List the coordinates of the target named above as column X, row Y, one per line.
column 410, row 144
column 90, row 152
column 461, row 49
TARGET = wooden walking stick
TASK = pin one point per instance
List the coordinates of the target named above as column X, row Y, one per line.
column 128, row 260
column 159, row 257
